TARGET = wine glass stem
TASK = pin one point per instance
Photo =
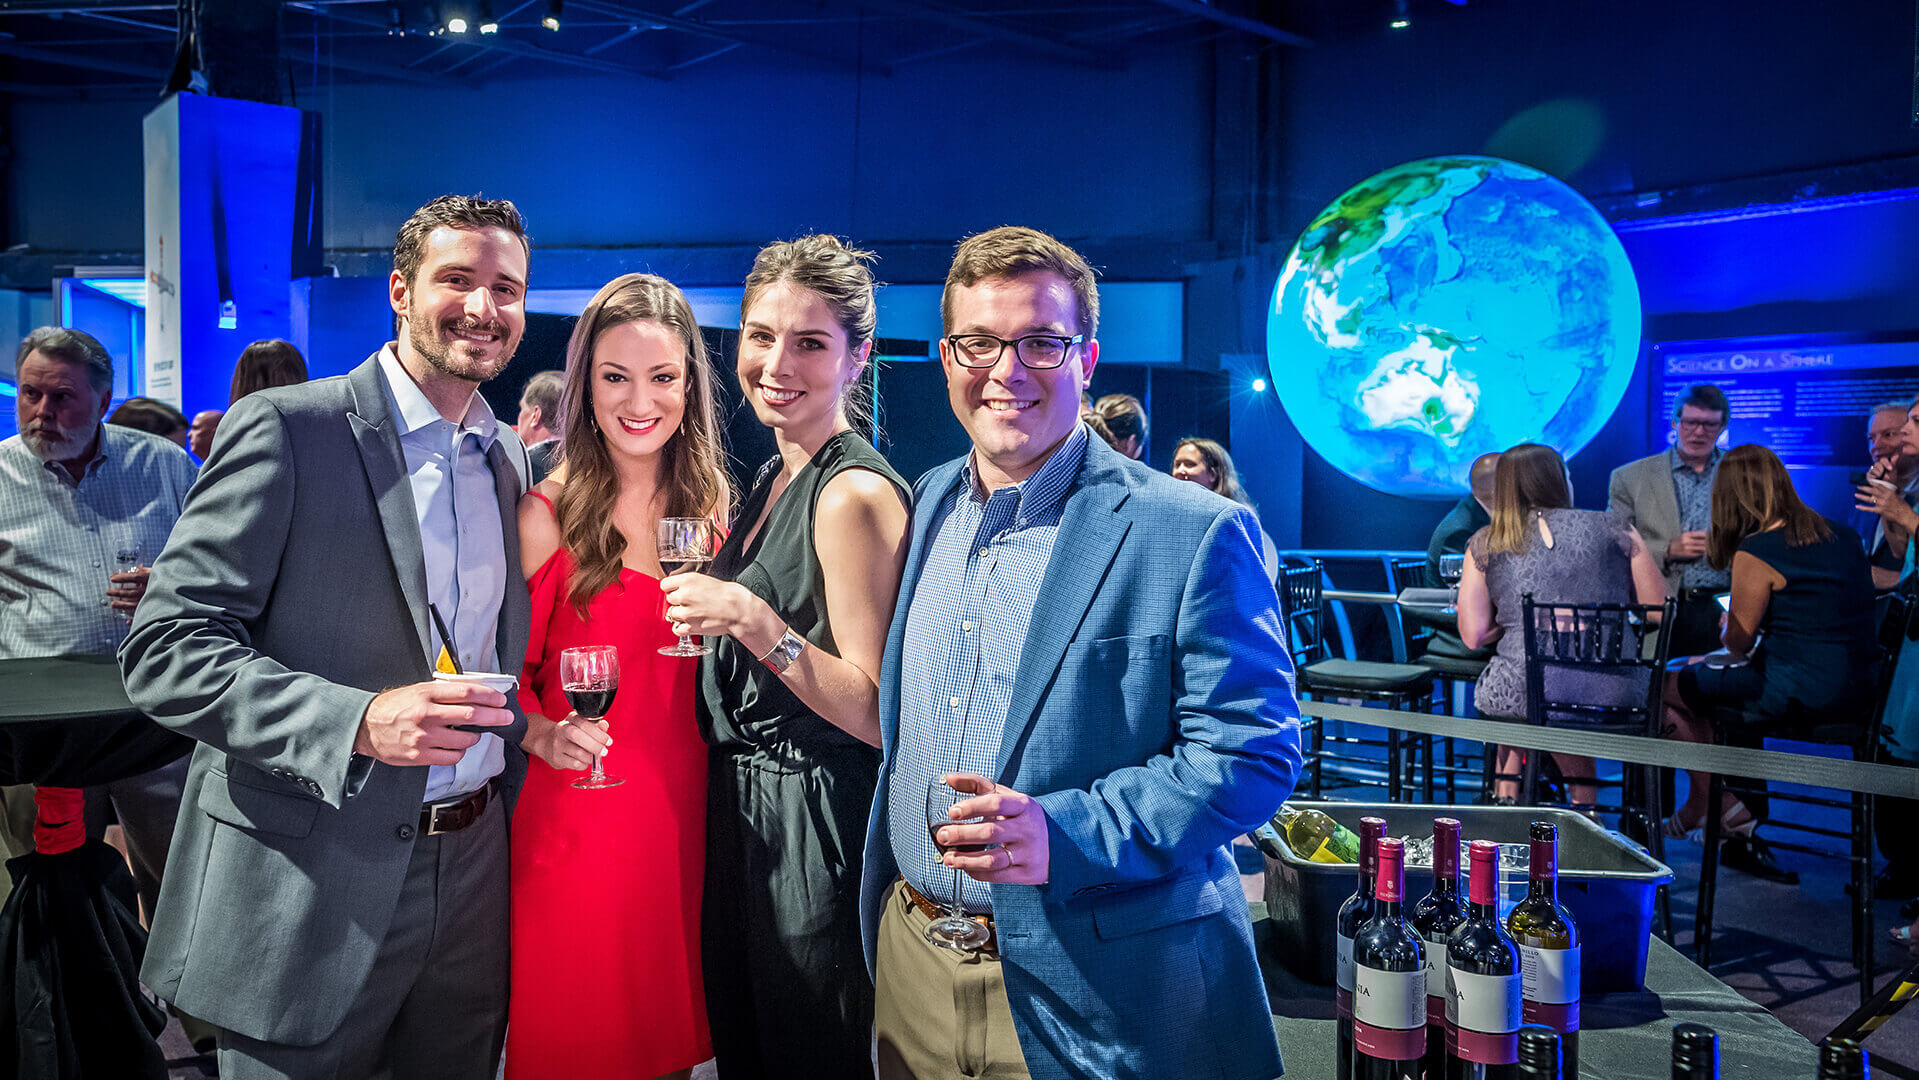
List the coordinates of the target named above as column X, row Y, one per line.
column 599, row 772
column 954, row 908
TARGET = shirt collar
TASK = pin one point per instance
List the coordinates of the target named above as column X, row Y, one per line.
column 1678, row 463
column 1045, row 489
column 59, row 470
column 415, row 412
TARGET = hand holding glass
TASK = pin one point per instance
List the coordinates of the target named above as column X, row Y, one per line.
column 590, row 676
column 689, row 543
column 953, row 930
column 126, row 559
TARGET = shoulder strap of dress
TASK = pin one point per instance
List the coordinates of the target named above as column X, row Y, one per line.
column 554, row 510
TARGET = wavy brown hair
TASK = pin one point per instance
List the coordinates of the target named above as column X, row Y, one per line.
column 692, row 470
column 264, row 365
column 1751, row 491
column 1529, row 477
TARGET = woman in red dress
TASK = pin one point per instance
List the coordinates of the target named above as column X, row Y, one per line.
column 640, row 441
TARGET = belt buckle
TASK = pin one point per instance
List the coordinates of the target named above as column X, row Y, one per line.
column 433, row 817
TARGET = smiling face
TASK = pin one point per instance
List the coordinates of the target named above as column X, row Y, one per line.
column 639, row 387
column 1190, row 464
column 58, row 407
column 795, row 365
column 465, row 308
column 1015, row 415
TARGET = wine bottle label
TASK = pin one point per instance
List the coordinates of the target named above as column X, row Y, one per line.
column 1481, row 1047
column 1551, row 979
column 1436, row 979
column 1344, row 970
column 1492, row 1004
column 1389, row 999
column 1389, row 1013
column 1324, row 853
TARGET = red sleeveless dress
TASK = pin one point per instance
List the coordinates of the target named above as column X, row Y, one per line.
column 606, row 884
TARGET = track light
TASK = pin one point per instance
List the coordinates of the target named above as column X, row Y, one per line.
column 456, row 24
column 1401, row 20
column 488, row 24
column 552, row 19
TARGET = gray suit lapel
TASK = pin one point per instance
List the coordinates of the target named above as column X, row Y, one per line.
column 1090, row 533
column 379, row 442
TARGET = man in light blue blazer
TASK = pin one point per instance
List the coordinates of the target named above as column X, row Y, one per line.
column 1090, row 651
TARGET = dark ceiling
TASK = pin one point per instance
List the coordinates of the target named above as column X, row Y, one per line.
column 73, row 48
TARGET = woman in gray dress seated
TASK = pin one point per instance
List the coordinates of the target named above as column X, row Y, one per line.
column 1538, row 544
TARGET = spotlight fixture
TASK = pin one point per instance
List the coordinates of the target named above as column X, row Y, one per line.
column 488, row 24
column 1259, row 386
column 396, row 20
column 1401, row 20
column 456, row 24
column 552, row 19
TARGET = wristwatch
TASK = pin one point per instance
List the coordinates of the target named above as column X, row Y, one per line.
column 784, row 652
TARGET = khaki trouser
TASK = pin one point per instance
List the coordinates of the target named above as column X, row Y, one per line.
column 939, row 1014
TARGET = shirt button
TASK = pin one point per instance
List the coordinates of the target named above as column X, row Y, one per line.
column 404, row 832
column 953, row 701
column 982, row 553
column 967, row 627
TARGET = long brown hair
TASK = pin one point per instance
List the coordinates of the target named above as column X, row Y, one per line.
column 1530, row 477
column 691, row 464
column 264, row 365
column 1751, row 491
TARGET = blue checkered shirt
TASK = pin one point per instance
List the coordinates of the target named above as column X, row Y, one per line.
column 58, row 537
column 1694, row 490
column 965, row 630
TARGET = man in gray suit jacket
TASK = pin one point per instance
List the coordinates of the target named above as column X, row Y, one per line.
column 335, row 898
column 1668, row 498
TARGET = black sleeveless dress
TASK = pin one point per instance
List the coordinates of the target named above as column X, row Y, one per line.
column 788, row 795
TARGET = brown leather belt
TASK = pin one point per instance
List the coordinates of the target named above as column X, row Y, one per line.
column 446, row 817
column 934, row 911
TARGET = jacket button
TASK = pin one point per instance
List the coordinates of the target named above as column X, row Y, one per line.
column 313, row 787
column 404, row 832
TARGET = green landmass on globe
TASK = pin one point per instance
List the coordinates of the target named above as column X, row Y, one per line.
column 1449, row 307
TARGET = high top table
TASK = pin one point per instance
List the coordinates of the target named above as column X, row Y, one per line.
column 70, row 1000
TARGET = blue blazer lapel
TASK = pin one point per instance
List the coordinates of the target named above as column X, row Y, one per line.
column 927, row 496
column 379, row 442
column 1090, row 532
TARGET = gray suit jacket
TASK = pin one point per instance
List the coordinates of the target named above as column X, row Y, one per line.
column 291, row 591
column 1642, row 492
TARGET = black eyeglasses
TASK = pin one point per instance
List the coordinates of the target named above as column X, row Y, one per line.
column 1701, row 425
column 1039, row 352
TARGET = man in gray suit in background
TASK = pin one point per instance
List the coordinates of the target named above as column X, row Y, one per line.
column 1668, row 498
column 335, row 899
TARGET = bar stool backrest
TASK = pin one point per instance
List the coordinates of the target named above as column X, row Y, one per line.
column 1589, row 665
column 1299, row 598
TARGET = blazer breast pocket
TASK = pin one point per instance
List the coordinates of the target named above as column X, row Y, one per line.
column 256, row 809
column 1121, row 681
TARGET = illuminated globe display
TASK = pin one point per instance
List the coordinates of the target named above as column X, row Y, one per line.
column 1449, row 307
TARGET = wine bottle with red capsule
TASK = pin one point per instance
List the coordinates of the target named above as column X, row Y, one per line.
column 1353, row 914
column 1389, row 980
column 1548, row 948
column 1485, row 1001
column 1435, row 917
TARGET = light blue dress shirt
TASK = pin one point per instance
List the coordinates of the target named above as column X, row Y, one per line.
column 457, row 507
column 965, row 633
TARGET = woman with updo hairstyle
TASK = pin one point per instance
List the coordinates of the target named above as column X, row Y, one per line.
column 605, row 944
column 263, row 365
column 796, row 606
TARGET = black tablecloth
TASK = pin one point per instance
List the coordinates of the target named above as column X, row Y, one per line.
column 65, row 721
column 1622, row 1036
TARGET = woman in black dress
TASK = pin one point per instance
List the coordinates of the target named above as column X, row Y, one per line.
column 797, row 602
column 1801, row 581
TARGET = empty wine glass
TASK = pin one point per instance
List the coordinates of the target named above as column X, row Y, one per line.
column 952, row 930
column 687, row 542
column 590, row 676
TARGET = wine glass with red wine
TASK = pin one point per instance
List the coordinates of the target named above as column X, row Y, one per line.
column 590, row 676
column 953, row 930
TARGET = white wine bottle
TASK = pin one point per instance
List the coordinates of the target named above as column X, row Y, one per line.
column 1548, row 948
